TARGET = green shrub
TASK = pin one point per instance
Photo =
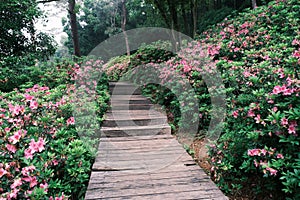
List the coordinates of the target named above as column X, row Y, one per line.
column 43, row 154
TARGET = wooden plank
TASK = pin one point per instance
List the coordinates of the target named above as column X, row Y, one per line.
column 145, row 167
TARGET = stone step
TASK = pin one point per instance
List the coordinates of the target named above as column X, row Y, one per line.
column 128, row 131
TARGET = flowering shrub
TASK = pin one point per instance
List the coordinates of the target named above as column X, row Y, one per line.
column 117, row 67
column 258, row 55
column 42, row 156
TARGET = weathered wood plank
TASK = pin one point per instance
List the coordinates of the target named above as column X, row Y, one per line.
column 144, row 166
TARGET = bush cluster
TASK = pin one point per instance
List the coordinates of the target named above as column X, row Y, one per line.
column 43, row 156
column 258, row 56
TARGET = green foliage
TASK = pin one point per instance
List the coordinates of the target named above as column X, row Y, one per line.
column 18, row 35
column 213, row 17
column 44, row 153
column 258, row 56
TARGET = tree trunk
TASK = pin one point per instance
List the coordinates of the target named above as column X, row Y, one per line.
column 195, row 16
column 185, row 19
column 74, row 28
column 123, row 25
column 162, row 12
column 254, row 4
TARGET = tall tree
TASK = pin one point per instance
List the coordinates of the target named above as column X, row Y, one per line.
column 123, row 25
column 74, row 28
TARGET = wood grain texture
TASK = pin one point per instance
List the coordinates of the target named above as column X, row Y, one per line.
column 146, row 165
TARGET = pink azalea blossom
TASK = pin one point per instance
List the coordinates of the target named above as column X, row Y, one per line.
column 272, row 171
column 41, row 145
column 34, row 105
column 28, row 97
column 292, row 129
column 287, row 92
column 44, row 186
column 11, row 148
column 251, row 113
column 280, row 156
column 28, row 154
column 235, row 114
column 32, row 180
column 54, row 162
column 254, row 152
column 264, row 152
column 256, row 163
column 71, row 121
column 296, row 42
column 17, row 183
column 284, row 121
column 2, row 172
column 258, row 119
column 296, row 54
column 13, row 194
column 37, row 146
column 294, row 123
column 27, row 170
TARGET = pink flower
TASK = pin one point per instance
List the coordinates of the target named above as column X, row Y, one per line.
column 54, row 162
column 251, row 113
column 41, row 145
column 284, row 121
column 256, row 163
column 26, row 170
column 14, row 138
column 17, row 183
column 71, row 121
column 34, row 105
column 28, row 153
column 258, row 119
column 2, row 172
column 13, row 194
column 31, row 180
column 11, row 148
column 287, row 92
column 296, row 54
column 17, row 136
column 264, row 152
column 44, row 186
column 235, row 114
column 296, row 42
column 254, row 152
column 294, row 123
column 280, row 156
column 292, row 129
column 28, row 97
column 37, row 146
column 272, row 171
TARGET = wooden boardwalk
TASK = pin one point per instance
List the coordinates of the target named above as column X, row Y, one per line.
column 138, row 158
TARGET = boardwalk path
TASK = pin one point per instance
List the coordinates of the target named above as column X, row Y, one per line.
column 138, row 158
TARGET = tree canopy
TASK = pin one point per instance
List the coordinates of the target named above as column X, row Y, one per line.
column 18, row 34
